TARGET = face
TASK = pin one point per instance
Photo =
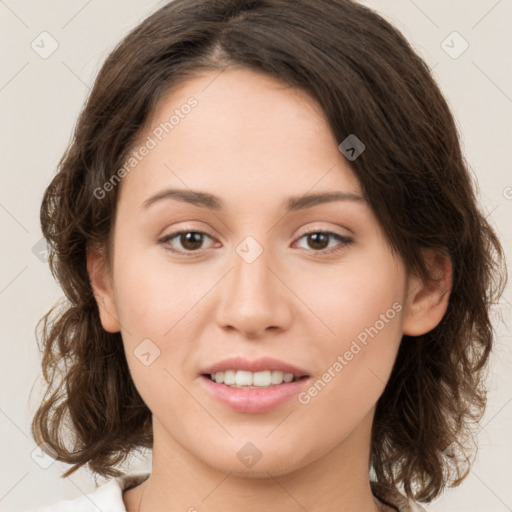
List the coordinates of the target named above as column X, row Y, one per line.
column 315, row 286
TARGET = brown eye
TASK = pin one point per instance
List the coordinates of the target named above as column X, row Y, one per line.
column 320, row 241
column 184, row 241
column 191, row 240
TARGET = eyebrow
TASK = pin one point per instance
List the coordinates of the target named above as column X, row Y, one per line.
column 206, row 200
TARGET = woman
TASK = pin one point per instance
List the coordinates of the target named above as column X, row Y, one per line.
column 278, row 278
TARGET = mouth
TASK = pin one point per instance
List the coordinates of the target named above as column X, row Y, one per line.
column 260, row 373
column 253, row 399
column 253, row 380
column 256, row 386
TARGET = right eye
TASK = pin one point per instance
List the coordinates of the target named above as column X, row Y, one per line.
column 189, row 240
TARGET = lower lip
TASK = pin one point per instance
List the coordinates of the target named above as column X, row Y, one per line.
column 253, row 400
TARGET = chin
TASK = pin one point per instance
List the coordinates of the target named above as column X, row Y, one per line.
column 267, row 461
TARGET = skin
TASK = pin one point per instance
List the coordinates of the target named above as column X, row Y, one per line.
column 254, row 142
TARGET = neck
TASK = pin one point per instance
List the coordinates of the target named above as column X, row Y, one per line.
column 337, row 481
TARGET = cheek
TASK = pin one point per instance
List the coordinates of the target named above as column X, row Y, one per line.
column 352, row 296
column 356, row 369
column 159, row 305
column 362, row 307
column 154, row 294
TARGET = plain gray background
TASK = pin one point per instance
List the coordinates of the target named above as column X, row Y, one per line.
column 40, row 97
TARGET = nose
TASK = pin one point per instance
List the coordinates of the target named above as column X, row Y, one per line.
column 254, row 298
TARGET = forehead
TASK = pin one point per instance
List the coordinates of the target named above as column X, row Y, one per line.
column 238, row 133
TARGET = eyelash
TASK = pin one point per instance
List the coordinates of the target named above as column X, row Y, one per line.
column 345, row 241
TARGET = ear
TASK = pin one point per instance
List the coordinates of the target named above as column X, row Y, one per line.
column 101, row 283
column 427, row 302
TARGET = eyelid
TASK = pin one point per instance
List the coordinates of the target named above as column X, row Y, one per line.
column 318, row 229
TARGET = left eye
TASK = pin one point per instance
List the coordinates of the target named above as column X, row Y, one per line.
column 191, row 241
column 320, row 240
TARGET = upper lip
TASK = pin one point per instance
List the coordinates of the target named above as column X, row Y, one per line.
column 258, row 365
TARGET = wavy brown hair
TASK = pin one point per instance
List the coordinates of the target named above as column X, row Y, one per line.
column 369, row 82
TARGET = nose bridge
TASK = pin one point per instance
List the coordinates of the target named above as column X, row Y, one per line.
column 253, row 298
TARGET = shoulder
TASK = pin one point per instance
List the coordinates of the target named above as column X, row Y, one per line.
column 108, row 497
column 392, row 497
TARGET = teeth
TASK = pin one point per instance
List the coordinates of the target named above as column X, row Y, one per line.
column 241, row 378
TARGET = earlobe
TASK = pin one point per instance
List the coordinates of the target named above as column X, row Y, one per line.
column 101, row 283
column 427, row 302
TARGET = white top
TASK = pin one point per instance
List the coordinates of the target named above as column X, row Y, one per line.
column 109, row 497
